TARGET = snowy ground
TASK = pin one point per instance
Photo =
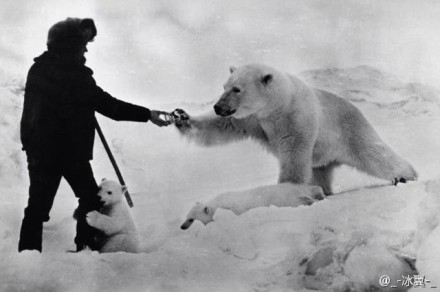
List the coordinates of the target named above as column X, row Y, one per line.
column 348, row 240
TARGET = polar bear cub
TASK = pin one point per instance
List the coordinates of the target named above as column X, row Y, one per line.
column 118, row 231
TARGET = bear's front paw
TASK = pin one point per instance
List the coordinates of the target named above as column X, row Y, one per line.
column 92, row 218
column 181, row 119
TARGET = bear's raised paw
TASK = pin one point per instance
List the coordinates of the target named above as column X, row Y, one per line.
column 180, row 118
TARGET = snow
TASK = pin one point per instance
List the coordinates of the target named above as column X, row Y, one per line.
column 346, row 241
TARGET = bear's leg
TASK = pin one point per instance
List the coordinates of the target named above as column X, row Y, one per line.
column 296, row 166
column 323, row 176
column 106, row 224
column 378, row 160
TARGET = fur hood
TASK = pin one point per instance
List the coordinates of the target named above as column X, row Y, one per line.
column 69, row 35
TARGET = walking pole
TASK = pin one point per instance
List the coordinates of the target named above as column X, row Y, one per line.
column 113, row 161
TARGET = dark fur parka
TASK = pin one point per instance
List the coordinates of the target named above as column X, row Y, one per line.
column 61, row 97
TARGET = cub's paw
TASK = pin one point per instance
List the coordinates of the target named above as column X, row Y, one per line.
column 92, row 218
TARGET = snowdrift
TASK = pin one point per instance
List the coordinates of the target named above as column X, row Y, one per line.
column 348, row 241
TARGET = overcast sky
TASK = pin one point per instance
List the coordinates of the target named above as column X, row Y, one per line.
column 179, row 50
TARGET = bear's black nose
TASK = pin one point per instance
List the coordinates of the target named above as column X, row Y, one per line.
column 217, row 109
column 223, row 111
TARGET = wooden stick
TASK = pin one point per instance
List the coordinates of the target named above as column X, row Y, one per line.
column 113, row 161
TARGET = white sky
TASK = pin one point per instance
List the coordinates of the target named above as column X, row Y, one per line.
column 167, row 51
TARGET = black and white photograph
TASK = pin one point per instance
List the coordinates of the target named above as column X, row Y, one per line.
column 219, row 145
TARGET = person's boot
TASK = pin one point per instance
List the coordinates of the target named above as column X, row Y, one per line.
column 85, row 236
column 80, row 247
column 31, row 235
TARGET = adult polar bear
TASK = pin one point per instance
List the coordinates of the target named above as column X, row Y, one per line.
column 310, row 131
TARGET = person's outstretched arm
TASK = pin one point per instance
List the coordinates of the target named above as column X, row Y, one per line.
column 120, row 110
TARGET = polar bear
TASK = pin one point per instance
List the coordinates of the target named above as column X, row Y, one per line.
column 117, row 229
column 281, row 195
column 310, row 131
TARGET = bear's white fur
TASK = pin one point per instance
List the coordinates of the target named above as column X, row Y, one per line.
column 310, row 131
column 117, row 229
column 281, row 195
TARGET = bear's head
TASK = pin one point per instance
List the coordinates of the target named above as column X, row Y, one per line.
column 252, row 89
column 111, row 192
column 200, row 212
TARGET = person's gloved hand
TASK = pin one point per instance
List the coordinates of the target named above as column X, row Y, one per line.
column 155, row 118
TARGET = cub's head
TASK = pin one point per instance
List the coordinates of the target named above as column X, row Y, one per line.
column 111, row 192
column 200, row 212
column 252, row 89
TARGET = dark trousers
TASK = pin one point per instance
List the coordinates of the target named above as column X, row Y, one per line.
column 45, row 179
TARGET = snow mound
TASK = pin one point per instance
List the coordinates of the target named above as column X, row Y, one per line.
column 367, row 84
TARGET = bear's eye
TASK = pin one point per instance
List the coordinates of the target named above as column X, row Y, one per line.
column 236, row 89
column 109, row 193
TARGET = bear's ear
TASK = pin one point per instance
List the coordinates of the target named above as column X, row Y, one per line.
column 267, row 79
column 123, row 189
column 206, row 210
column 232, row 69
column 103, row 179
